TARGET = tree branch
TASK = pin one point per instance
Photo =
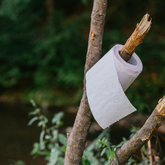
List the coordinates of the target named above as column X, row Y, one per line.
column 136, row 38
column 143, row 135
column 77, row 138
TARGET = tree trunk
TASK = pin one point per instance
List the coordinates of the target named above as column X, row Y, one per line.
column 77, row 138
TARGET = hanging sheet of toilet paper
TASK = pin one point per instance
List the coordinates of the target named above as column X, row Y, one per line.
column 106, row 83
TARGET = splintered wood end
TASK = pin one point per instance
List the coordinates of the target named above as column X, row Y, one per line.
column 144, row 25
column 160, row 108
column 136, row 38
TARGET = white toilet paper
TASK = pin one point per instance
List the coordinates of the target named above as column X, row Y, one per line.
column 106, row 82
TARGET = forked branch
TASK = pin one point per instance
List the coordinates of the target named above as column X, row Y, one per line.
column 143, row 135
column 158, row 115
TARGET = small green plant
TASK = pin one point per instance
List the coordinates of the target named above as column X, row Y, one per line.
column 109, row 150
column 52, row 144
column 93, row 154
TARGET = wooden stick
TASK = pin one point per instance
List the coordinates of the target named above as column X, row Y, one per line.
column 157, row 116
column 150, row 152
column 77, row 138
column 143, row 135
column 136, row 38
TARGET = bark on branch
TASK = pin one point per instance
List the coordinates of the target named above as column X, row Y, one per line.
column 143, row 135
column 136, row 38
column 77, row 138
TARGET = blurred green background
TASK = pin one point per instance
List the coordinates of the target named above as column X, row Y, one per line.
column 43, row 46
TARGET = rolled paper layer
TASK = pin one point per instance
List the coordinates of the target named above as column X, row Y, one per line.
column 106, row 83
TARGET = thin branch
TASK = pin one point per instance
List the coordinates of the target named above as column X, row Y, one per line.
column 150, row 152
column 77, row 139
column 136, row 38
column 143, row 135
column 128, row 49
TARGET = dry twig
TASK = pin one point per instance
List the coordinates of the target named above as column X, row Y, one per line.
column 136, row 38
column 150, row 152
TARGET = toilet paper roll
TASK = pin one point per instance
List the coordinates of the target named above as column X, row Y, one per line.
column 106, row 82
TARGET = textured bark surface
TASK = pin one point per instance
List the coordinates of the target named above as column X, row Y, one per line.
column 136, row 38
column 143, row 135
column 77, row 138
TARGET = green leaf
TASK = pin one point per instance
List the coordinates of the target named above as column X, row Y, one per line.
column 43, row 118
column 46, row 153
column 36, row 149
column 62, row 139
column 40, row 123
column 33, row 103
column 42, row 145
column 124, row 139
column 57, row 118
column 132, row 161
column 35, row 112
column 111, row 155
column 85, row 162
column 50, row 146
column 55, row 135
column 91, row 158
column 32, row 120
column 64, row 149
column 144, row 149
column 48, row 137
column 53, row 156
column 103, row 151
column 99, row 143
column 104, row 144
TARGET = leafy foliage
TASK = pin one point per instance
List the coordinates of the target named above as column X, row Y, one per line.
column 44, row 52
column 47, row 50
column 52, row 143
